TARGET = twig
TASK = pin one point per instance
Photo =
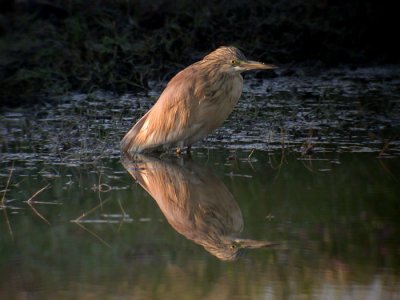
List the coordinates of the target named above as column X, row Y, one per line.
column 37, row 213
column 3, row 203
column 7, row 184
column 77, row 220
column 251, row 154
column 91, row 232
column 37, row 193
column 79, row 223
column 385, row 147
column 30, row 202
column 249, row 159
column 123, row 215
column 99, row 190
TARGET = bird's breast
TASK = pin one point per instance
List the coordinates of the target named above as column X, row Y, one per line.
column 222, row 102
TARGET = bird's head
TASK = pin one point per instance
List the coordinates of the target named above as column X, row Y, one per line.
column 231, row 59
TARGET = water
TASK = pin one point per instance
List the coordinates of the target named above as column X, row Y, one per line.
column 318, row 175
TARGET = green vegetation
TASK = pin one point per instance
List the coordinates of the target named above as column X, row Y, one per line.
column 50, row 49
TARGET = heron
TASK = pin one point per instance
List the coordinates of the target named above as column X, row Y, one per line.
column 195, row 102
column 195, row 202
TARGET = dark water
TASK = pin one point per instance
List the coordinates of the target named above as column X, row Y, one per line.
column 314, row 166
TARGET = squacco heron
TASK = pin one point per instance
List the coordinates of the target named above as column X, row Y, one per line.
column 196, row 101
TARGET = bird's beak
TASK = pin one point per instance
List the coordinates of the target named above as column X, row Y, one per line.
column 253, row 244
column 256, row 65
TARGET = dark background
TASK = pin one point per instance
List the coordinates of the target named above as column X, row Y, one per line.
column 51, row 48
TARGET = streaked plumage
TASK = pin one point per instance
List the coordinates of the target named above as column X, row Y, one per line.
column 196, row 101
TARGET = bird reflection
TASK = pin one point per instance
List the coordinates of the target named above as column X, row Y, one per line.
column 195, row 203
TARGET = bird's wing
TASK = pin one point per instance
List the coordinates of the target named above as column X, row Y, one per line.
column 170, row 120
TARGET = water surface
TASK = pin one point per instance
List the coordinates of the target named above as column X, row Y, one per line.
column 308, row 162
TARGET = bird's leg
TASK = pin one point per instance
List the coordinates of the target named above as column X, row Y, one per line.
column 189, row 150
column 178, row 151
column 163, row 155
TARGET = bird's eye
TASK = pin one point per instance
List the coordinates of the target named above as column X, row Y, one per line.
column 233, row 61
column 233, row 246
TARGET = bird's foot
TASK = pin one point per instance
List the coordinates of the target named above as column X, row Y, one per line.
column 189, row 151
column 179, row 151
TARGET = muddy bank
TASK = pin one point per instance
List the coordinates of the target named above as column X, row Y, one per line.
column 340, row 110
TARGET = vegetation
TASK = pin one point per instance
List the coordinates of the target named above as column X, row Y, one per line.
column 50, row 49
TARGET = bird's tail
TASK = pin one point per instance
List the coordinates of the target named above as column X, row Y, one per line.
column 131, row 143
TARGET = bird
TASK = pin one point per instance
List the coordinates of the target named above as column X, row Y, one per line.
column 195, row 202
column 196, row 101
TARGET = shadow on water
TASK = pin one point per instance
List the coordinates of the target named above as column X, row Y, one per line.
column 195, row 203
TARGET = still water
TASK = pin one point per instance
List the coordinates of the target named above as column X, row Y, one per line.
column 175, row 232
column 295, row 197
